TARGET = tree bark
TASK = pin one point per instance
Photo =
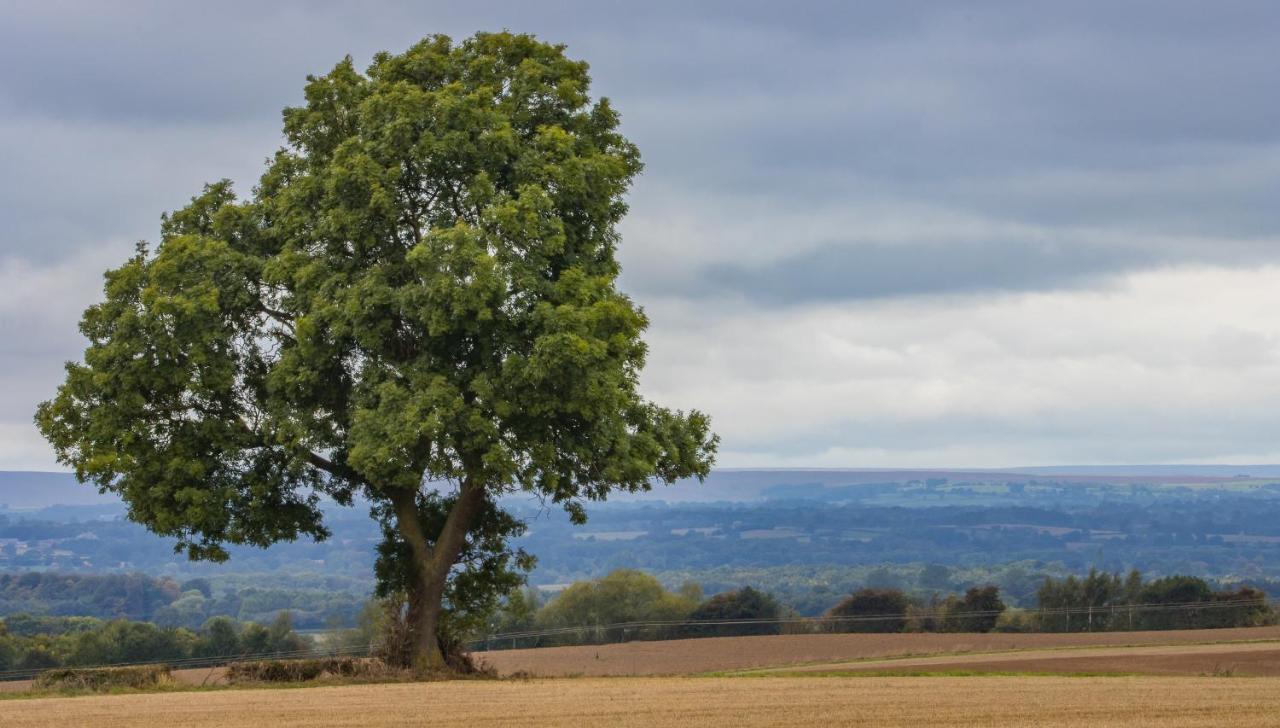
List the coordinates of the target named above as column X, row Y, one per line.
column 432, row 560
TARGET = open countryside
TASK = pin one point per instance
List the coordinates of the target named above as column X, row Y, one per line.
column 725, row 364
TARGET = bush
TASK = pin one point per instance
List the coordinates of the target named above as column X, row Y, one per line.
column 294, row 671
column 104, row 678
column 889, row 606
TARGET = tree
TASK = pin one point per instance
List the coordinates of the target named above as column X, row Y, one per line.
column 1162, row 599
column 745, row 603
column 416, row 306
column 977, row 611
column 871, row 610
column 623, row 595
column 221, row 638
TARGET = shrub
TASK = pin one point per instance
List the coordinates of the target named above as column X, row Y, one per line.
column 104, row 678
column 293, row 671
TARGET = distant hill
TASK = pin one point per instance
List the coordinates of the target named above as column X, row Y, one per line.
column 22, row 490
column 26, row 490
column 1179, row 471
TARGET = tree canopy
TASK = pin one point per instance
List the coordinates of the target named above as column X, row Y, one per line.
column 416, row 306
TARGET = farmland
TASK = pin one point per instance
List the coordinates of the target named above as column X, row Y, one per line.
column 779, row 701
column 717, row 654
column 1176, row 678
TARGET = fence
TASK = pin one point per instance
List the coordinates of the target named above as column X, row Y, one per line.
column 201, row 662
column 684, row 629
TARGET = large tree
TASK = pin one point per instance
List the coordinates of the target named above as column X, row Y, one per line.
column 417, row 306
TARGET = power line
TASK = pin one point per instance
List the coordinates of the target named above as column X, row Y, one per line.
column 938, row 613
column 486, row 643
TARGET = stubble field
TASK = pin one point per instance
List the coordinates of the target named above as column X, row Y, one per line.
column 776, row 701
column 1220, row 677
column 719, row 654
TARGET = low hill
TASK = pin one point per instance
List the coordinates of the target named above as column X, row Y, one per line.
column 22, row 490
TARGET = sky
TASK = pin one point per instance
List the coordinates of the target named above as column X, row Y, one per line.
column 874, row 234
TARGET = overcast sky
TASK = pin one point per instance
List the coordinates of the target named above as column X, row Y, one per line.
column 906, row 234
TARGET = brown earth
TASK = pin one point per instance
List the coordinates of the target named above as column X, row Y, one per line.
column 1237, row 660
column 1056, row 702
column 827, row 652
column 715, row 654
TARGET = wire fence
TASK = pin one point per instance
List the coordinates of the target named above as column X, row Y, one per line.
column 689, row 628
column 656, row 630
column 210, row 661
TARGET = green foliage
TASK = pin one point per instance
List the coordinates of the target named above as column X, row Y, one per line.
column 744, row 603
column 131, row 596
column 519, row 612
column 977, row 611
column 1104, row 601
column 870, row 610
column 421, row 288
column 94, row 642
column 624, row 595
column 32, row 599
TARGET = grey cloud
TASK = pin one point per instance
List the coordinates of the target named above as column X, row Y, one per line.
column 798, row 154
column 836, row 272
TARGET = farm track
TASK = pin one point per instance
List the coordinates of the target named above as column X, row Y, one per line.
column 1049, row 702
column 722, row 654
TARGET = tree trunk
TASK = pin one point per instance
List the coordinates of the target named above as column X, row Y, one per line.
column 433, row 559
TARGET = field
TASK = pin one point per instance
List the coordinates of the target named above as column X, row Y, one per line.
column 778, row 701
column 720, row 654
column 1192, row 678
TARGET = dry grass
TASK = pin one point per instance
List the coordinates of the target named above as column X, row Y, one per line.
column 136, row 677
column 918, row 702
column 719, row 654
column 297, row 671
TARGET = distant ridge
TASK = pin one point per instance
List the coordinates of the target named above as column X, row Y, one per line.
column 28, row 490
column 22, row 490
column 1208, row 471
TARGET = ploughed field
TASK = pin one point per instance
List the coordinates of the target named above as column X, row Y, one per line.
column 730, row 654
column 722, row 701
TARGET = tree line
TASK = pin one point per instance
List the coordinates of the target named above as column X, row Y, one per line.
column 169, row 602
column 1108, row 601
column 29, row 643
column 632, row 605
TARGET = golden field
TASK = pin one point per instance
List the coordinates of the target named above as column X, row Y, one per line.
column 729, row 702
column 1219, row 677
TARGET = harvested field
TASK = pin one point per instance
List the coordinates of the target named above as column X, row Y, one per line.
column 918, row 702
column 684, row 657
column 1238, row 660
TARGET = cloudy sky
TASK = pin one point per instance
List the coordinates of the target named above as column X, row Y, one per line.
column 905, row 234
